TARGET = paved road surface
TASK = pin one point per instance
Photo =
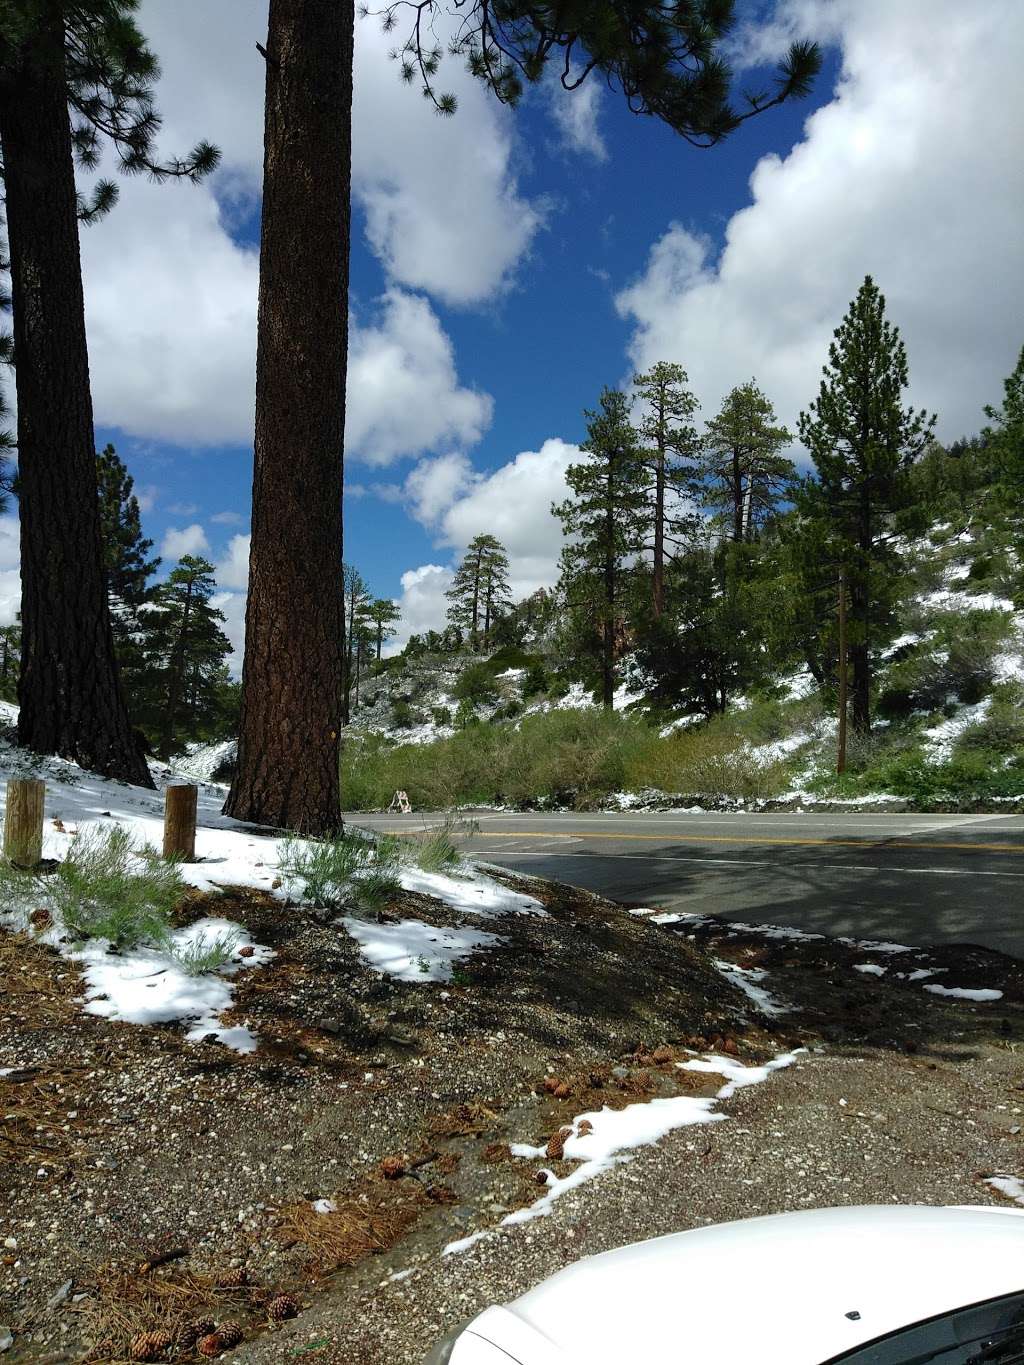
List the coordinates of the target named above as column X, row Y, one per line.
column 918, row 879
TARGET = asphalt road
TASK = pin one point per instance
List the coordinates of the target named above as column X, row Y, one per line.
column 917, row 879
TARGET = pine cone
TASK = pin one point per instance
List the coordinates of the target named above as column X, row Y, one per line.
column 194, row 1331
column 41, row 919
column 662, row 1054
column 230, row 1334
column 584, row 1127
column 392, row 1167
column 556, row 1144
column 150, row 1345
column 247, row 951
column 236, row 1278
column 210, row 1345
column 282, row 1307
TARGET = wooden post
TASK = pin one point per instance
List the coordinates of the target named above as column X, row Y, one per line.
column 180, row 822
column 23, row 825
column 843, row 648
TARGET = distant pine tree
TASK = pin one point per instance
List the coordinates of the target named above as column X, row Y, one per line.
column 670, row 446
column 604, row 521
column 479, row 591
column 185, row 652
column 125, row 549
column 10, row 656
column 863, row 442
column 355, row 597
column 746, row 475
column 382, row 613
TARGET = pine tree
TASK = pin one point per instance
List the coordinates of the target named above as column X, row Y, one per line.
column 382, row 613
column 185, row 653
column 603, row 522
column 90, row 59
column 479, row 590
column 293, row 688
column 10, row 657
column 355, row 597
column 863, row 442
column 666, row 60
column 126, row 565
column 127, row 569
column 1005, row 436
column 745, row 474
column 670, row 443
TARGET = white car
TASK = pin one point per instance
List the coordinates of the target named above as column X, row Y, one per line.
column 863, row 1286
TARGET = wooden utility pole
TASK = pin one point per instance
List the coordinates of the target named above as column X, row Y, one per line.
column 23, row 824
column 843, row 707
column 180, row 823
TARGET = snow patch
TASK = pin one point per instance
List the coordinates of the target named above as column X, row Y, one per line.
column 964, row 993
column 414, row 951
column 746, row 979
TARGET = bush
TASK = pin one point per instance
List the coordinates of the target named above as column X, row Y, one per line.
column 349, row 867
column 109, row 888
column 476, row 685
column 536, row 681
column 959, row 660
column 441, row 715
column 402, row 715
column 466, row 714
column 206, row 952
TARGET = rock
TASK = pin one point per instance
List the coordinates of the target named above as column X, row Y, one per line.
column 61, row 1296
column 6, row 1338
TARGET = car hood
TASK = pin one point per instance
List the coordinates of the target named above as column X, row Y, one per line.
column 790, row 1289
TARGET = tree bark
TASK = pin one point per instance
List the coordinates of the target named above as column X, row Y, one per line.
column 608, row 638
column 737, row 497
column 69, row 689
column 658, row 585
column 288, row 751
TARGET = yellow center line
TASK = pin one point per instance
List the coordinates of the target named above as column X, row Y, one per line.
column 489, row 833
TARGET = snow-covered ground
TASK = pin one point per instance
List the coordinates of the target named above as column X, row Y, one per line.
column 147, row 984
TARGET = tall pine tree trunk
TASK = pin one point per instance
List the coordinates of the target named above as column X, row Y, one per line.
column 860, row 659
column 737, row 498
column 658, row 586
column 288, row 749
column 69, row 690
column 608, row 637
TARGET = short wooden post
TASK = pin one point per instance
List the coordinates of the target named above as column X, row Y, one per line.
column 180, row 822
column 23, row 824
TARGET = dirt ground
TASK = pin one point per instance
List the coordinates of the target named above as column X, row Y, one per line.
column 150, row 1184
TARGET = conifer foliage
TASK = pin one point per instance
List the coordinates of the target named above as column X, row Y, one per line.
column 185, row 652
column 863, row 442
column 742, row 464
column 479, row 593
column 669, row 446
column 603, row 522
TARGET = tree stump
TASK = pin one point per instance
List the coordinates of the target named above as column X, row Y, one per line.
column 180, row 823
column 23, row 825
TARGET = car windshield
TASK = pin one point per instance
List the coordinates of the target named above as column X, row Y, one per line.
column 990, row 1332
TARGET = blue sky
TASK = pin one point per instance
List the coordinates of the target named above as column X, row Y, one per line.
column 542, row 350
column 507, row 265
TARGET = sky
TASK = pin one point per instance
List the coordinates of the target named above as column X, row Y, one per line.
column 506, row 265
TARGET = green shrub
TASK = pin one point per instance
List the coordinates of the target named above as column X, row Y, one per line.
column 441, row 715
column 402, row 715
column 465, row 714
column 375, row 890
column 206, row 952
column 324, row 868
column 536, row 681
column 109, row 888
column 436, row 851
column 476, row 685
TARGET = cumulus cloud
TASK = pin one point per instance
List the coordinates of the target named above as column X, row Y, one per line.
column 232, row 604
column 233, row 568
column 188, row 540
column 404, row 395
column 227, row 518
column 902, row 175
column 576, row 114
column 171, row 296
column 423, row 603
column 10, row 570
column 512, row 503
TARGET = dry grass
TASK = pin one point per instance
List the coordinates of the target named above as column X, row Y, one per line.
column 121, row 1304
column 465, row 1120
column 370, row 1217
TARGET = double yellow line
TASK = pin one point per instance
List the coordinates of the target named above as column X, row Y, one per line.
column 669, row 840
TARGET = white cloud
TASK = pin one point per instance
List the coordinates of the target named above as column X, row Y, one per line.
column 171, row 298
column 423, row 603
column 189, row 540
column 404, row 392
column 576, row 114
column 233, row 569
column 227, row 518
column 232, row 604
column 512, row 503
column 433, row 486
column 904, row 175
column 10, row 570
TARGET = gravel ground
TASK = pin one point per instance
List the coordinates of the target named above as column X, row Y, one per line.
column 854, row 1129
column 119, row 1143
